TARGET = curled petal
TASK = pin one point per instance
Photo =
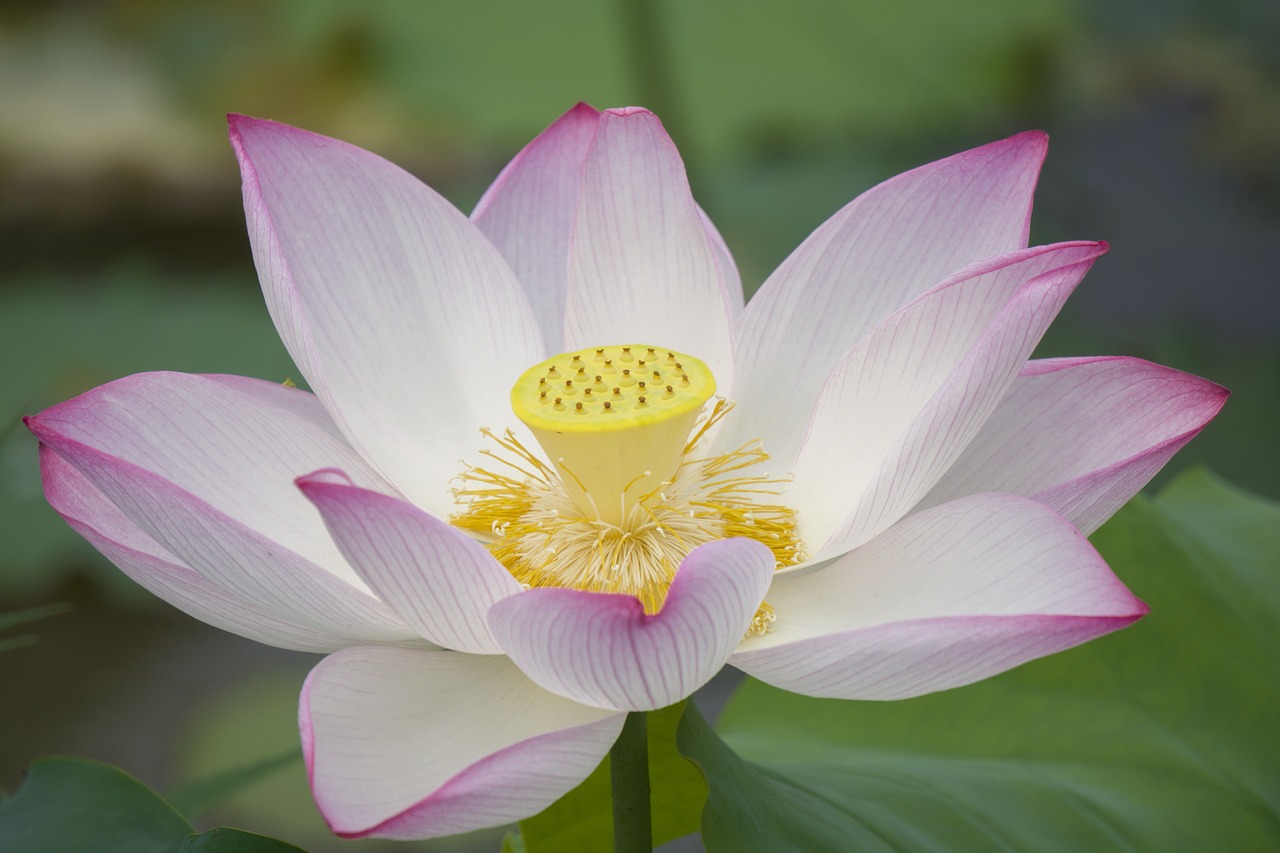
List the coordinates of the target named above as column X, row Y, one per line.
column 643, row 265
column 404, row 743
column 603, row 650
column 1082, row 435
column 528, row 213
column 880, row 251
column 949, row 596
column 439, row 580
column 405, row 319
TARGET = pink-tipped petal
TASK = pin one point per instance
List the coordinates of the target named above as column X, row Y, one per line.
column 206, row 471
column 235, row 443
column 143, row 559
column 903, row 403
column 946, row 597
column 1082, row 435
column 880, row 251
column 529, row 210
column 643, row 267
column 439, row 580
column 410, row 744
column 404, row 318
column 603, row 650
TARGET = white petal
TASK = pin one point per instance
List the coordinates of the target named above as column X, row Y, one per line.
column 603, row 650
column 643, row 267
column 206, row 471
column 529, row 210
column 145, row 561
column 404, row 318
column 439, row 580
column 1082, row 436
column 880, row 251
column 946, row 597
column 904, row 402
column 415, row 744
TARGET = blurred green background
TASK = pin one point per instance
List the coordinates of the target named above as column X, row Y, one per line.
column 124, row 247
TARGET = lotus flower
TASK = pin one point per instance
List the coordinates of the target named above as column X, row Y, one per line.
column 512, row 511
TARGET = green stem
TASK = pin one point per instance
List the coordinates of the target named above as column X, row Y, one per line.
column 629, row 770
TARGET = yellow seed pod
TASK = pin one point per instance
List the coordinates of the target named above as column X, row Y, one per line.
column 614, row 419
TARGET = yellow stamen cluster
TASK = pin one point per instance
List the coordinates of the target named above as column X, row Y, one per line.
column 626, row 496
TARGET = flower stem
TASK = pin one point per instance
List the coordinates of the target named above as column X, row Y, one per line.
column 629, row 770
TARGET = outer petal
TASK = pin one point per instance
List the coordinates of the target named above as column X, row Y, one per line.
column 603, row 650
column 1082, row 436
column 643, row 267
column 439, row 580
column 415, row 744
column 880, row 251
column 902, row 405
column 206, row 470
column 946, row 597
column 528, row 213
column 406, row 321
column 145, row 561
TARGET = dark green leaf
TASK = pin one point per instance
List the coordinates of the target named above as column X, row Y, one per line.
column 68, row 805
column 225, row 840
column 199, row 796
column 582, row 822
column 1161, row 737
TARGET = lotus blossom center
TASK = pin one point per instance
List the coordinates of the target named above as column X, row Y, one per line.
column 626, row 495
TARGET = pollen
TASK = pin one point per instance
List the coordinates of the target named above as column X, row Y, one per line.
column 625, row 489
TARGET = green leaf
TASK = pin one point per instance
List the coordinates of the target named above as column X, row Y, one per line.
column 68, row 804
column 199, row 796
column 582, row 821
column 225, row 840
column 1162, row 736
